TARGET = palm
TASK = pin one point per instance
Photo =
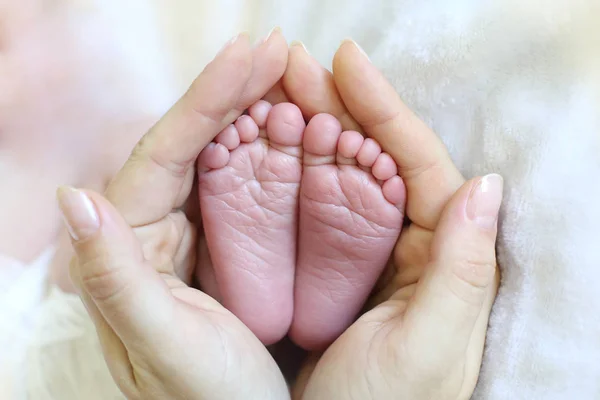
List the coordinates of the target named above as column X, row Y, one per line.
column 169, row 246
column 382, row 336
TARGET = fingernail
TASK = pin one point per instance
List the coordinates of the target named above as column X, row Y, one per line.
column 78, row 211
column 264, row 39
column 360, row 49
column 229, row 43
column 484, row 201
column 297, row 43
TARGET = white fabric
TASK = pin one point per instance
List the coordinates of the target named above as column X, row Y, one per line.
column 511, row 87
column 21, row 291
column 64, row 360
column 48, row 343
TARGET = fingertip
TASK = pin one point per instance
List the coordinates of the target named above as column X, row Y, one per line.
column 298, row 48
column 462, row 244
column 236, row 52
column 274, row 31
column 307, row 83
column 484, row 201
column 238, row 42
column 350, row 45
column 274, row 46
column 269, row 62
column 79, row 213
column 312, row 87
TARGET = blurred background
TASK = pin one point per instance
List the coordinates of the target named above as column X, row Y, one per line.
column 82, row 80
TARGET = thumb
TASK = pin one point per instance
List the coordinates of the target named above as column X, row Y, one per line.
column 116, row 284
column 458, row 289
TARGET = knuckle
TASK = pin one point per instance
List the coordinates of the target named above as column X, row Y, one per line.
column 381, row 119
column 149, row 151
column 102, row 279
column 175, row 168
column 476, row 272
column 212, row 113
column 472, row 278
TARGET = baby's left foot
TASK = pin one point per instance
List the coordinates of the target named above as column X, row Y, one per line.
column 248, row 189
column 351, row 212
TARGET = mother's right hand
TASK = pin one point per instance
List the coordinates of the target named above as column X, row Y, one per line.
column 161, row 338
column 425, row 337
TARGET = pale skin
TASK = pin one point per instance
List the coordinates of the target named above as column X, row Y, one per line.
column 133, row 293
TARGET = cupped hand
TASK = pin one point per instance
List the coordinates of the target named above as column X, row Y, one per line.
column 424, row 338
column 136, row 248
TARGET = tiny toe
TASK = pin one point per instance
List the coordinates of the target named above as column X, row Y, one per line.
column 368, row 153
column 247, row 129
column 322, row 135
column 384, row 167
column 259, row 112
column 394, row 191
column 350, row 143
column 229, row 137
column 285, row 125
column 214, row 156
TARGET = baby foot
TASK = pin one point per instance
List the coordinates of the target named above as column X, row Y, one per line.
column 351, row 212
column 249, row 184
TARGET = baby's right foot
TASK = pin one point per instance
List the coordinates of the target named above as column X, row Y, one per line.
column 249, row 185
column 351, row 212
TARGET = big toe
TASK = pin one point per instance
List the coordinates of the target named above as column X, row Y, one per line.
column 285, row 125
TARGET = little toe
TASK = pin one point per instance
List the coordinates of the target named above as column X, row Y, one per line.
column 229, row 137
column 214, row 156
column 247, row 129
column 394, row 191
column 384, row 167
column 368, row 153
column 259, row 112
column 321, row 139
column 285, row 125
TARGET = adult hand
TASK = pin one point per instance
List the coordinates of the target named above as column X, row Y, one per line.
column 162, row 339
column 425, row 339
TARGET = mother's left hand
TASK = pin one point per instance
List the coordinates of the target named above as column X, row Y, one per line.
column 425, row 339
column 162, row 339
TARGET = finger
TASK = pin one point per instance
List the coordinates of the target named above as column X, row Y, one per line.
column 110, row 269
column 159, row 173
column 276, row 94
column 113, row 349
column 312, row 88
column 301, row 381
column 161, row 163
column 428, row 172
column 456, row 290
column 269, row 60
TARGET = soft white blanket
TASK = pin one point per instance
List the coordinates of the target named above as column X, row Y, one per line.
column 512, row 87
